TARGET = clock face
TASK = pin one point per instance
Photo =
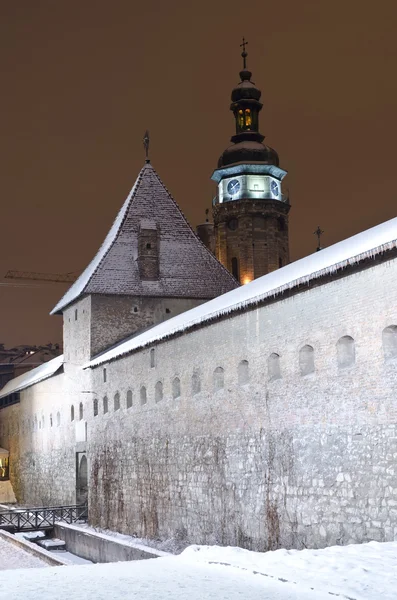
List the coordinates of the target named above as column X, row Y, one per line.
column 274, row 188
column 233, row 187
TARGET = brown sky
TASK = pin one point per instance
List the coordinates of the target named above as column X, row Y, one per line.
column 82, row 80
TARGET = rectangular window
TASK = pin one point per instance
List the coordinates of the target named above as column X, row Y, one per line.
column 104, row 375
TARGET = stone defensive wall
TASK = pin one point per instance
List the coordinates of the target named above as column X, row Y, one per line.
column 274, row 426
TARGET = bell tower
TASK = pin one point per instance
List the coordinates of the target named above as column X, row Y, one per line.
column 250, row 209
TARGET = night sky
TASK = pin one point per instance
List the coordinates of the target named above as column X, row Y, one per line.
column 82, row 80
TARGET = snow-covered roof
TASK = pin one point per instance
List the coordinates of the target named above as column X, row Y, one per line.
column 187, row 269
column 24, row 381
column 364, row 245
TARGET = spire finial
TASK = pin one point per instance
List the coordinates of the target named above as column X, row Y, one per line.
column 244, row 53
column 318, row 233
column 146, row 145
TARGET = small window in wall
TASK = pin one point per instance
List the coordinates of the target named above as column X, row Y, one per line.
column 152, row 358
column 235, row 269
column 306, row 360
column 167, row 310
column 117, row 401
column 35, row 423
column 143, row 395
column 105, row 404
column 40, row 424
column 42, row 421
column 72, row 413
column 176, row 388
column 196, row 383
column 273, row 367
column 135, row 309
column 95, row 406
column 81, row 411
column 75, row 314
column 243, row 372
column 158, row 393
column 129, row 399
column 58, row 419
column 50, row 420
column 345, row 352
column 104, row 375
column 280, row 262
column 219, row 379
column 389, row 341
column 148, row 246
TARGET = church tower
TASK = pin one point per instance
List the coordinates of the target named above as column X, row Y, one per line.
column 250, row 209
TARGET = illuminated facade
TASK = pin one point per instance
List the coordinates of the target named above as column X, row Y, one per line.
column 250, row 209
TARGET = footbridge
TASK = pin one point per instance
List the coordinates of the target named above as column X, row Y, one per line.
column 35, row 519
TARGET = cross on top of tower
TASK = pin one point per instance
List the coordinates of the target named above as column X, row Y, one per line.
column 244, row 53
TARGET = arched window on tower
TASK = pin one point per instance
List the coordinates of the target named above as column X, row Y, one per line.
column 248, row 119
column 241, row 119
column 235, row 269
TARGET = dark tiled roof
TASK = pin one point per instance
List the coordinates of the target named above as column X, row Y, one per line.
column 187, row 268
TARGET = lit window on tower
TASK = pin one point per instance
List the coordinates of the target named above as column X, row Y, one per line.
column 248, row 119
column 241, row 118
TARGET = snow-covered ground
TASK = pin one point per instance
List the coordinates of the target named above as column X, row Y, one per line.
column 12, row 557
column 359, row 572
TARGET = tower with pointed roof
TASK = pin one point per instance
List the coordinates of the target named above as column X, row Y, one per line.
column 250, row 208
column 150, row 268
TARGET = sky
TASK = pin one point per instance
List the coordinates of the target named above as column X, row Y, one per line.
column 83, row 80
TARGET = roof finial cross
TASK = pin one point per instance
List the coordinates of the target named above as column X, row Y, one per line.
column 318, row 233
column 146, row 141
column 244, row 53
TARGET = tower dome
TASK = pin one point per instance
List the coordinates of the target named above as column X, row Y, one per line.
column 247, row 143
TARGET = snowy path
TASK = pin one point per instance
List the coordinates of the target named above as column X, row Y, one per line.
column 154, row 579
column 12, row 557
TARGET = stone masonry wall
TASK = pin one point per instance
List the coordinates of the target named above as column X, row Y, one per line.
column 259, row 455
column 296, row 461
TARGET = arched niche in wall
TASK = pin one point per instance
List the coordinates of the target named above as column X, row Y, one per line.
column 218, row 379
column 273, row 367
column 346, row 353
column 158, row 391
column 143, row 395
column 389, row 341
column 306, row 360
column 176, row 388
column 243, row 372
column 196, row 383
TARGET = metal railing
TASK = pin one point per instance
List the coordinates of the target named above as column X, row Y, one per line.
column 33, row 519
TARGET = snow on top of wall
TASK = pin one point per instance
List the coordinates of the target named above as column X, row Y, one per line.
column 364, row 245
column 44, row 371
